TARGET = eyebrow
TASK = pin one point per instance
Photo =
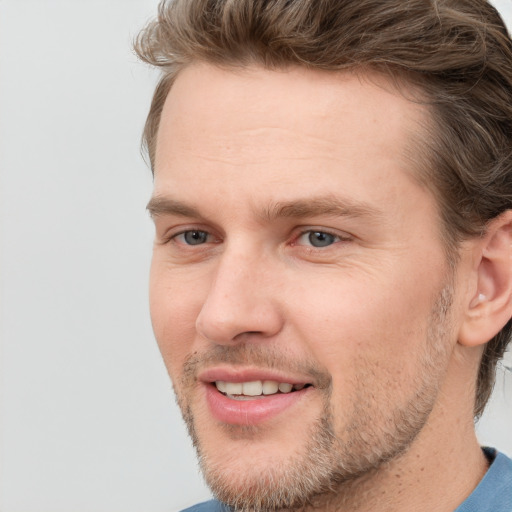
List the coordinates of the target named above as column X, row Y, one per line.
column 159, row 205
column 320, row 206
column 300, row 208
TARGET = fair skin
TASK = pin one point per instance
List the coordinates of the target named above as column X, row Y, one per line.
column 294, row 246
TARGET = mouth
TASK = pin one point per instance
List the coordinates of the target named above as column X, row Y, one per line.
column 239, row 396
column 255, row 389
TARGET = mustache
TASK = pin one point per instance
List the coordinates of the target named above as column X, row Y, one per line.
column 255, row 355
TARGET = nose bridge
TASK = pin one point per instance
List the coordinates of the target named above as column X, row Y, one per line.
column 241, row 297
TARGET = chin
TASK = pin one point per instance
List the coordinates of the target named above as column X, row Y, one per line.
column 271, row 466
column 301, row 458
column 249, row 470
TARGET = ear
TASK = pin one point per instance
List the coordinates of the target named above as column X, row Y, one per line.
column 489, row 307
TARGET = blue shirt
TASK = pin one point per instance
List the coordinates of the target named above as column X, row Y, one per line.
column 492, row 494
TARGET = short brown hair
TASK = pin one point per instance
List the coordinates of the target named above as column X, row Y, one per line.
column 458, row 53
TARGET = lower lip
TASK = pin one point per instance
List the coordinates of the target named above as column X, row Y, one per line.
column 252, row 411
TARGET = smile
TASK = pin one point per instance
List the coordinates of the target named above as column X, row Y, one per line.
column 251, row 389
column 251, row 401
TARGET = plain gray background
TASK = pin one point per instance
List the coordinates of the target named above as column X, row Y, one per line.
column 88, row 420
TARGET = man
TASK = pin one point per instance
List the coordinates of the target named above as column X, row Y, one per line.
column 331, row 285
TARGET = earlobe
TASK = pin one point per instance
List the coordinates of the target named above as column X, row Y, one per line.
column 490, row 307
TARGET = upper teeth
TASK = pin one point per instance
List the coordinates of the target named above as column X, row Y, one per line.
column 256, row 387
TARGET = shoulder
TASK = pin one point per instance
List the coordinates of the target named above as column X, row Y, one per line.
column 208, row 506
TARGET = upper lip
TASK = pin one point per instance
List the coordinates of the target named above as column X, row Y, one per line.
column 239, row 374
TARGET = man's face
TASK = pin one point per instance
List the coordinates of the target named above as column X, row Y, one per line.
column 299, row 287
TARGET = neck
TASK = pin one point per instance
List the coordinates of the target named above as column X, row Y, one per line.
column 437, row 473
column 435, row 481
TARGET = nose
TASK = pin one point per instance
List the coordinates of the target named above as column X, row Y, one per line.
column 241, row 302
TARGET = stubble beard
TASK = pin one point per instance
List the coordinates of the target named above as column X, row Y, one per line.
column 330, row 466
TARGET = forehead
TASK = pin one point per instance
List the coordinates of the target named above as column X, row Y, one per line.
column 283, row 125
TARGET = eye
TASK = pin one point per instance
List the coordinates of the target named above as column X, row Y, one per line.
column 317, row 238
column 192, row 237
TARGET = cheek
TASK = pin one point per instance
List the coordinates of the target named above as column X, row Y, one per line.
column 352, row 324
column 173, row 316
column 371, row 343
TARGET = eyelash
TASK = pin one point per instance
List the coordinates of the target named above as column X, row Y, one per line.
column 336, row 238
column 175, row 236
